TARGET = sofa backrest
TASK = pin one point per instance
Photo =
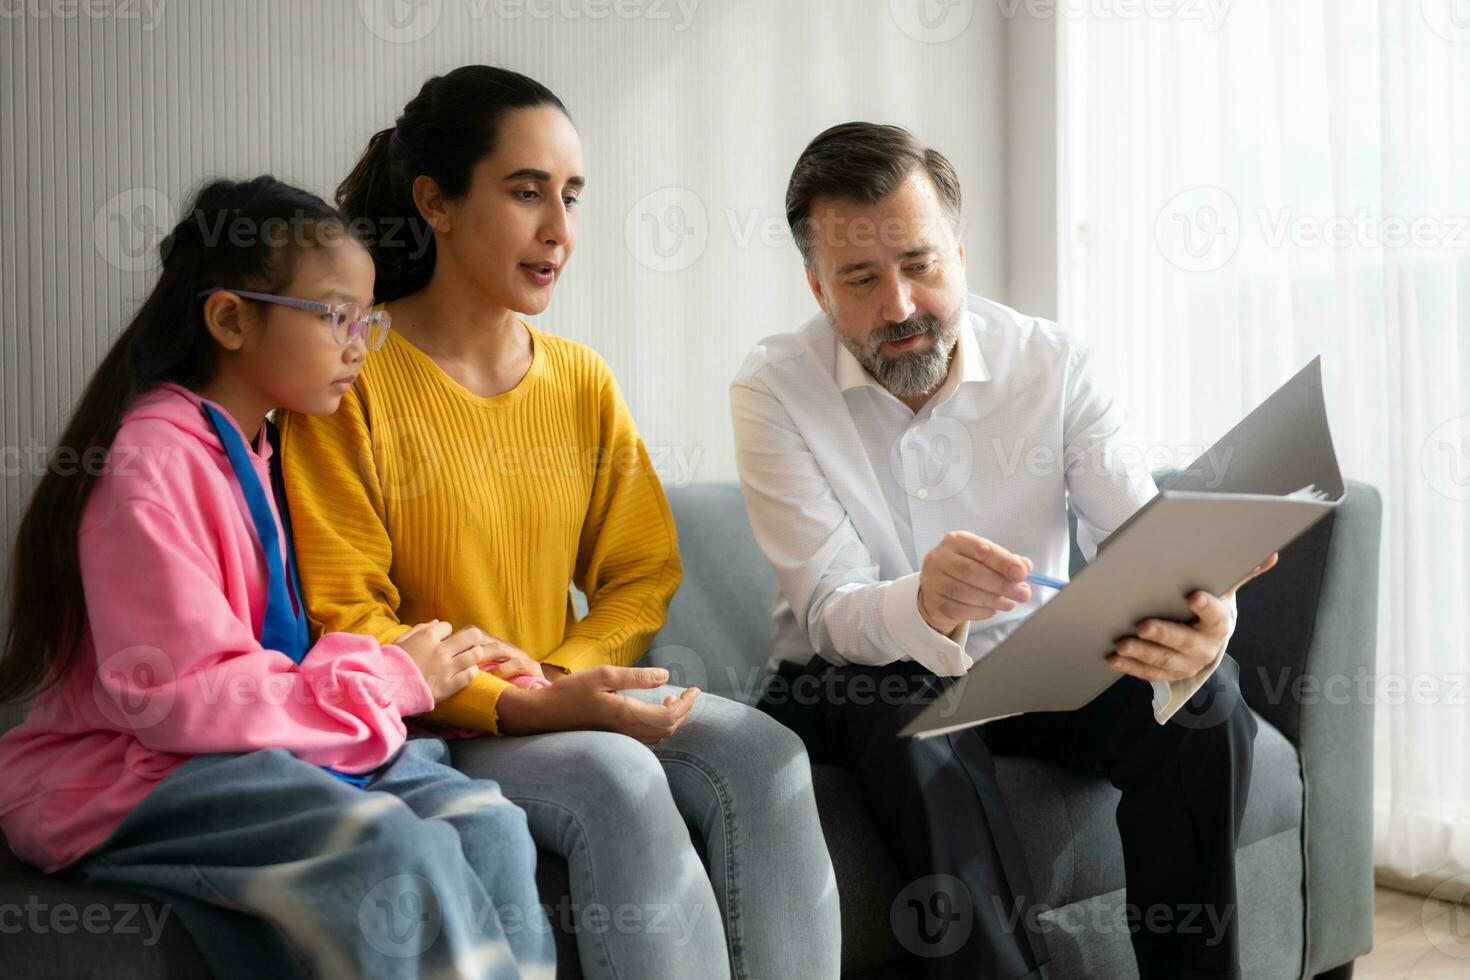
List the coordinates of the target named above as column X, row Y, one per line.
column 718, row 634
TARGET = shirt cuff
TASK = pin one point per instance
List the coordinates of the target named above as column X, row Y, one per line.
column 1170, row 696
column 913, row 637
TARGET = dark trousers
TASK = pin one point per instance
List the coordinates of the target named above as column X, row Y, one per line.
column 969, row 909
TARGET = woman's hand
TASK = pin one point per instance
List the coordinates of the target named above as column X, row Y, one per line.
column 447, row 662
column 506, row 660
column 589, row 700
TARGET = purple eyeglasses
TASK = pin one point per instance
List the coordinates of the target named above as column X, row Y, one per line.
column 349, row 320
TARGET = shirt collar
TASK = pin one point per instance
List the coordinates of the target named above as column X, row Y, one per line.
column 972, row 367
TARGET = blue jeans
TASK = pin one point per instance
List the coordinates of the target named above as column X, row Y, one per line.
column 632, row 822
column 278, row 868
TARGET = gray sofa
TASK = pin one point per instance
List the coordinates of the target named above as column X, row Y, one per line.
column 1304, row 864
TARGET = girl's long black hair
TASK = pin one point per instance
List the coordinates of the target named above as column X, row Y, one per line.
column 234, row 233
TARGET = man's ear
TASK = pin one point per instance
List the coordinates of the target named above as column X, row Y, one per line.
column 430, row 201
column 815, row 285
column 224, row 318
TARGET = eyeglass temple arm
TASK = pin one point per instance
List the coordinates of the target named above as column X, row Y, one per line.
column 300, row 304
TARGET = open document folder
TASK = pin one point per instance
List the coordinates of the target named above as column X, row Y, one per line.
column 1255, row 491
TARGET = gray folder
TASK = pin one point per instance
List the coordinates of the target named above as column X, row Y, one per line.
column 1208, row 528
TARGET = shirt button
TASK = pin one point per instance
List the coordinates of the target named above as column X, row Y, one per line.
column 922, row 493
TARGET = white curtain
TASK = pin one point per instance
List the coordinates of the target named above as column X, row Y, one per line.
column 1246, row 185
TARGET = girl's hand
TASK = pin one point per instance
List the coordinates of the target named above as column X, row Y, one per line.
column 447, row 662
column 589, row 700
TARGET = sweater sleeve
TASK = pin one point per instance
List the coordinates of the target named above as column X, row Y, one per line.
column 627, row 556
column 339, row 521
column 179, row 667
column 344, row 551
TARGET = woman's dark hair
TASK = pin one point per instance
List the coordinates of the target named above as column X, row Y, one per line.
column 445, row 130
column 235, row 233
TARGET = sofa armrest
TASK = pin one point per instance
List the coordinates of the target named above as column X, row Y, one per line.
column 1307, row 648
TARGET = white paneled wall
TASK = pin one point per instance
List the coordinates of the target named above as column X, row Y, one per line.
column 691, row 114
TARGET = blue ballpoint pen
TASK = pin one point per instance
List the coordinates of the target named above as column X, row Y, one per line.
column 1036, row 578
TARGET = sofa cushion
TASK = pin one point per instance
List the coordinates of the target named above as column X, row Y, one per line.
column 1068, row 834
column 60, row 928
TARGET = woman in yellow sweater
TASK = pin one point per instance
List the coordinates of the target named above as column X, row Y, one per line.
column 476, row 469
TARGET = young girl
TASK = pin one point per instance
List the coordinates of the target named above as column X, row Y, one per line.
column 477, row 469
column 189, row 743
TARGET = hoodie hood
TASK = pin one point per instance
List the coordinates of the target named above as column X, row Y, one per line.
column 184, row 409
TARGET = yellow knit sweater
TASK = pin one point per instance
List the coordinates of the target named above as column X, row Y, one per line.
column 420, row 500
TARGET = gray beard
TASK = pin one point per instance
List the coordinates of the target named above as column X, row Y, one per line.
column 907, row 375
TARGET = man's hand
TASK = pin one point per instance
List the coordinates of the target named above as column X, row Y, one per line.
column 967, row 578
column 1167, row 651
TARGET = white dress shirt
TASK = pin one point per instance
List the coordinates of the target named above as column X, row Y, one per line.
column 848, row 489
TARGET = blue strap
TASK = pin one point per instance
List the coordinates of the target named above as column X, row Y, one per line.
column 284, row 627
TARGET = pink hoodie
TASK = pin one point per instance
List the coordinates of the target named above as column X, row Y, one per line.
column 170, row 665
